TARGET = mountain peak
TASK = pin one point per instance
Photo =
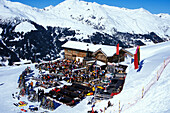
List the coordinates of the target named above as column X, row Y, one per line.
column 72, row 0
column 163, row 15
column 49, row 7
column 89, row 16
column 143, row 10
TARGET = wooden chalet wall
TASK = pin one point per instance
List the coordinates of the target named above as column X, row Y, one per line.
column 72, row 53
column 101, row 57
column 115, row 58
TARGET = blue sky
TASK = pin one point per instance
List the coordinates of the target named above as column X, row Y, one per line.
column 154, row 6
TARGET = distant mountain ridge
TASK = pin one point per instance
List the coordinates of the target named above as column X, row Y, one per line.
column 32, row 33
column 103, row 18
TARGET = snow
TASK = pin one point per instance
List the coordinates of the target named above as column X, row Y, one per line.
column 9, row 76
column 24, row 27
column 108, row 50
column 156, row 100
column 49, row 7
column 157, row 95
column 75, row 13
column 153, row 59
column 1, row 30
column 22, row 62
column 163, row 15
column 100, row 63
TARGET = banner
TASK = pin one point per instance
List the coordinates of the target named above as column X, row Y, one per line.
column 136, row 60
column 117, row 49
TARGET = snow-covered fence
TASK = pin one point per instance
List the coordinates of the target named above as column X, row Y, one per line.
column 156, row 78
column 166, row 62
column 148, row 86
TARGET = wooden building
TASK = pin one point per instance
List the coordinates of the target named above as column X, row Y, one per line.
column 77, row 50
column 106, row 56
column 74, row 53
column 80, row 50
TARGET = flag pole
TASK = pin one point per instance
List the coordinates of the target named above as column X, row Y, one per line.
column 118, row 59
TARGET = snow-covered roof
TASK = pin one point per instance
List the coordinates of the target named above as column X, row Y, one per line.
column 100, row 63
column 80, row 46
column 22, row 62
column 108, row 50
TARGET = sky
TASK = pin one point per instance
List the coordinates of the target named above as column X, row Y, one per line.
column 153, row 6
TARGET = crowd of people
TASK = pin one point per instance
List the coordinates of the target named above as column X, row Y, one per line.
column 72, row 71
column 52, row 73
column 27, row 88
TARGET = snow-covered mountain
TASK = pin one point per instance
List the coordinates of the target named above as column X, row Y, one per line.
column 90, row 17
column 26, row 31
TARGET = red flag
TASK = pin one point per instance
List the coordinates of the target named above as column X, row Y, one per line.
column 136, row 60
column 117, row 49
